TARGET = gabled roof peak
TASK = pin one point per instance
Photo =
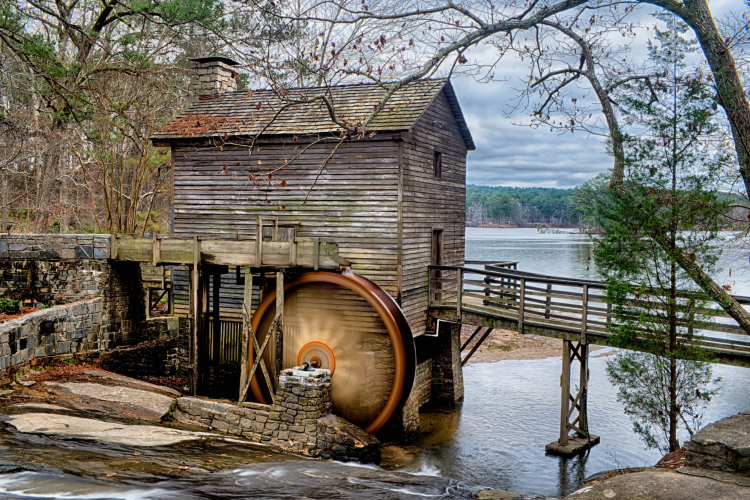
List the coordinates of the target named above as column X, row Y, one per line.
column 299, row 111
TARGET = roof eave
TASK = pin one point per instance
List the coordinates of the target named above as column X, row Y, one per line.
column 450, row 94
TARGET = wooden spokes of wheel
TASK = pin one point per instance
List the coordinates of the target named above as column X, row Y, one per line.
column 382, row 307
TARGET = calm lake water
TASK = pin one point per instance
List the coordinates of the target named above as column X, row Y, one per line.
column 511, row 409
column 495, row 438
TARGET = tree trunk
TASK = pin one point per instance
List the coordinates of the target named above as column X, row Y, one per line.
column 5, row 199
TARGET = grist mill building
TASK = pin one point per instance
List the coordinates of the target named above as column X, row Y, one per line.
column 393, row 201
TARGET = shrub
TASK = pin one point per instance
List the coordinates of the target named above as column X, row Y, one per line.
column 10, row 306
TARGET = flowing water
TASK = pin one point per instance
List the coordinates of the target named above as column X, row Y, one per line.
column 495, row 438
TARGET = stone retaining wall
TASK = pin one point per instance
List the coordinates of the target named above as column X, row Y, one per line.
column 299, row 420
column 39, row 336
column 160, row 355
column 62, row 269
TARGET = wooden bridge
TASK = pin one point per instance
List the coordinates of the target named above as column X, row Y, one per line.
column 573, row 310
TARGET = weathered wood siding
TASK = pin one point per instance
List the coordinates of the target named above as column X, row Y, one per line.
column 430, row 203
column 354, row 200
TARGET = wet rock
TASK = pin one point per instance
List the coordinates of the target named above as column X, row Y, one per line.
column 41, row 406
column 661, row 485
column 132, row 381
column 349, row 441
column 106, row 432
column 141, row 404
column 722, row 446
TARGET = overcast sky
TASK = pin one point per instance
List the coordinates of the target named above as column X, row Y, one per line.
column 510, row 155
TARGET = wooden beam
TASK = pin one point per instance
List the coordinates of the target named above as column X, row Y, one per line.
column 247, row 298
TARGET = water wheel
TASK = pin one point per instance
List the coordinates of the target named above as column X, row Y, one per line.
column 349, row 325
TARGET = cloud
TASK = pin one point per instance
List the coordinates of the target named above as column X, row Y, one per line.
column 513, row 155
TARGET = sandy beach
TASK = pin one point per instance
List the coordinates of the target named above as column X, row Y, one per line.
column 507, row 344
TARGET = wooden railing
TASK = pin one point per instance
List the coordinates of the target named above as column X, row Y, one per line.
column 558, row 307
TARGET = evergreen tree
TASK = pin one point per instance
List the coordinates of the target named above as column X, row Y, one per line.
column 673, row 172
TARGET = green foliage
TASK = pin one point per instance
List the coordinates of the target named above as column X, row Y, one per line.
column 669, row 207
column 643, row 382
column 10, row 306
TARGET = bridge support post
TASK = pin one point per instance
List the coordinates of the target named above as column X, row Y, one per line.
column 570, row 404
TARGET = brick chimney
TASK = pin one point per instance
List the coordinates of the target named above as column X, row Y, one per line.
column 213, row 76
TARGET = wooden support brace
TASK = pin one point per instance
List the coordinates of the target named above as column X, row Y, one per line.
column 471, row 338
column 259, row 360
column 476, row 346
column 247, row 298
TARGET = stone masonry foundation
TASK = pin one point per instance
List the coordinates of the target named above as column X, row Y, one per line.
column 299, row 420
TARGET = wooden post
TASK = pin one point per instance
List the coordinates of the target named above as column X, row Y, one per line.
column 247, row 298
column 148, row 302
column 316, row 253
column 584, row 313
column 548, row 301
column 216, row 323
column 203, row 334
column 195, row 303
column 584, row 383
column 521, row 301
column 170, row 297
column 279, row 330
column 156, row 250
column 609, row 312
column 564, row 393
column 459, row 292
column 259, row 243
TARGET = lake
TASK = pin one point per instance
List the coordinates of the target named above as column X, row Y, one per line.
column 511, row 409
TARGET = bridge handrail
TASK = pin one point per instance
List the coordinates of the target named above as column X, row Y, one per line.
column 511, row 297
column 543, row 278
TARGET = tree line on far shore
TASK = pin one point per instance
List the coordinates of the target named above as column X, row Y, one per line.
column 542, row 206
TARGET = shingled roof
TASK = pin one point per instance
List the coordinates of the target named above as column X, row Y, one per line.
column 248, row 112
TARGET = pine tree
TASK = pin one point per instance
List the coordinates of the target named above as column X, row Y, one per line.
column 673, row 172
